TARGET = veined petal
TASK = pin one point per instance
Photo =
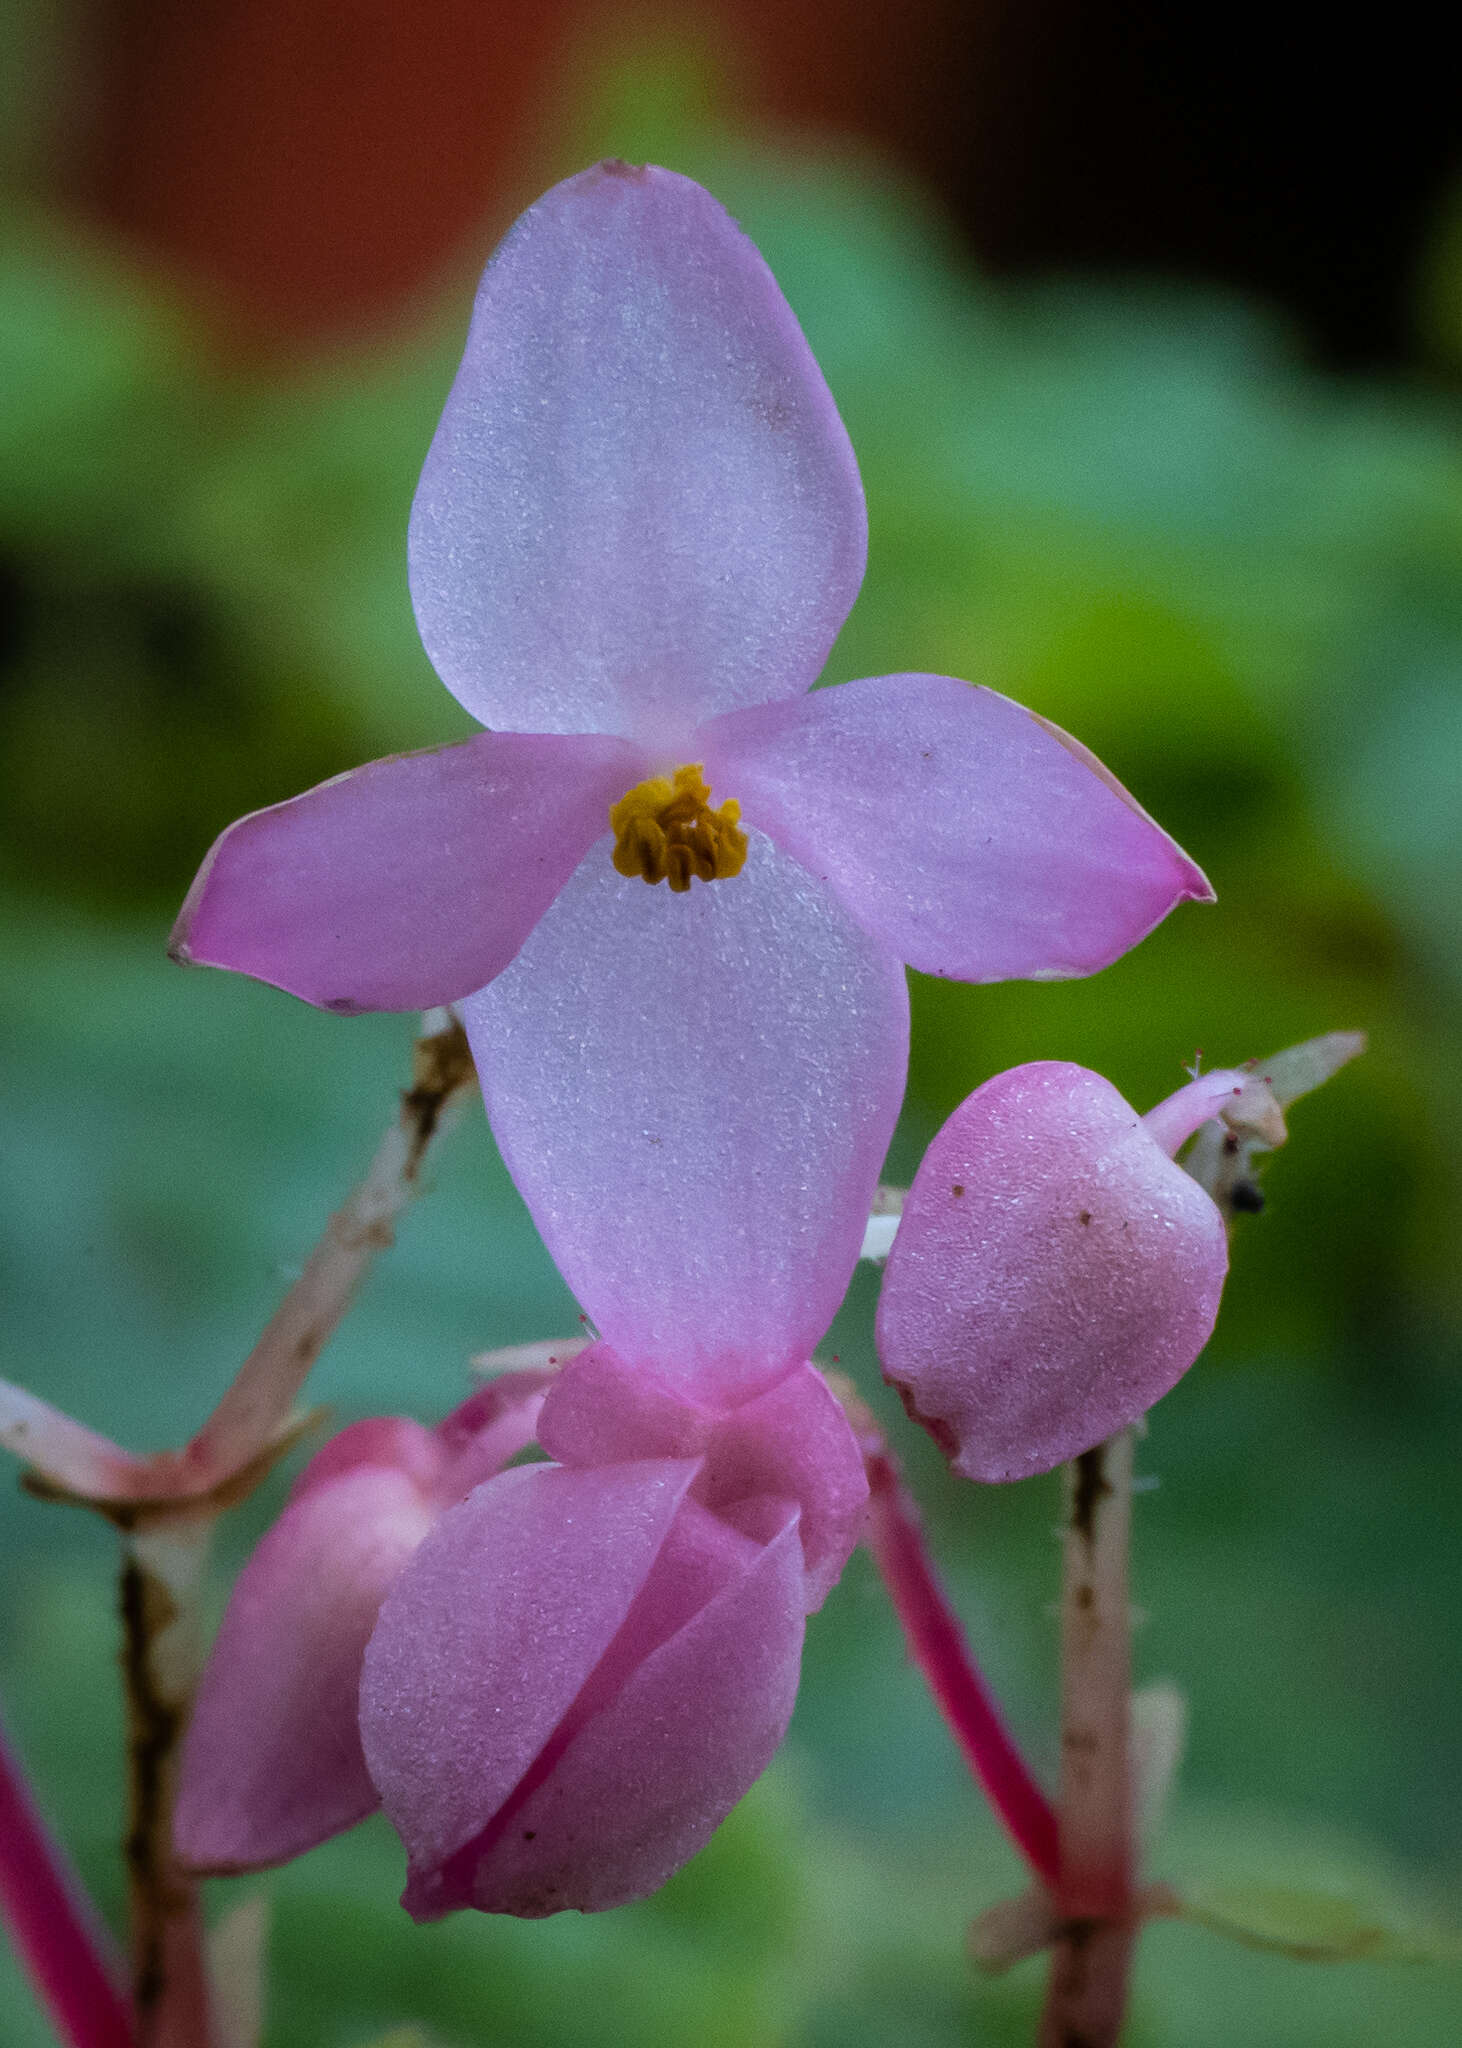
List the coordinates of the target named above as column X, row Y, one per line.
column 1053, row 1275
column 488, row 1636
column 975, row 839
column 640, row 505
column 410, row 881
column 272, row 1763
column 745, row 1045
column 646, row 1780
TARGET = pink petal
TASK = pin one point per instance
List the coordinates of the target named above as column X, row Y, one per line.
column 389, row 1440
column 272, row 1763
column 487, row 1429
column 1053, row 1276
column 408, row 882
column 742, row 1049
column 646, row 1780
column 973, row 838
column 489, row 1635
column 792, row 1442
column 640, row 505
column 603, row 1411
column 795, row 1442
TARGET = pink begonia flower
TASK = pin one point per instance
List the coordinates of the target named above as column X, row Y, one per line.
column 1054, row 1272
column 570, row 1676
column 637, row 533
column 272, row 1761
column 588, row 1662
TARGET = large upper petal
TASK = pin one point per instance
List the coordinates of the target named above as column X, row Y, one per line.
column 410, row 881
column 1053, row 1275
column 974, row 838
column 695, row 1094
column 640, row 505
column 489, row 1635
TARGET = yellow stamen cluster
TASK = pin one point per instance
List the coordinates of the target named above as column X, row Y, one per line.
column 667, row 832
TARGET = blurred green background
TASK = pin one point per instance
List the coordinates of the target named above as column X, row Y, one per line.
column 1130, row 506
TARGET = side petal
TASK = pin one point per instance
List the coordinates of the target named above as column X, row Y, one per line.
column 1053, row 1275
column 272, row 1762
column 973, row 838
column 487, row 1638
column 640, row 505
column 645, row 1782
column 408, row 882
column 743, row 1047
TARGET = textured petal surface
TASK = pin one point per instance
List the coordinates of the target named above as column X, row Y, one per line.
column 409, row 882
column 647, row 1778
column 640, row 505
column 489, row 1636
column 792, row 1443
column 694, row 1094
column 272, row 1763
column 976, row 840
column 795, row 1443
column 1053, row 1275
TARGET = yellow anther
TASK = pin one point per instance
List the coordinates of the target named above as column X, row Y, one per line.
column 666, row 831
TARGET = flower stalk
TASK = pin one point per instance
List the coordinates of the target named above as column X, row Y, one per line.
column 59, row 1940
column 1095, row 1891
column 938, row 1646
column 161, row 1577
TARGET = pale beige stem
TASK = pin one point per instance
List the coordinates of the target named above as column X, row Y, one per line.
column 261, row 1396
column 1087, row 1998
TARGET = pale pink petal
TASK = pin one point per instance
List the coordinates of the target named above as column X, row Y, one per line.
column 272, row 1763
column 640, row 505
column 390, row 1440
column 654, row 1759
column 1054, row 1274
column 408, row 882
column 489, row 1635
column 795, row 1442
column 694, row 1094
column 602, row 1410
column 487, row 1429
column 974, row 839
column 792, row 1442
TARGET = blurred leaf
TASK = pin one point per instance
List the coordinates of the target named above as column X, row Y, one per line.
column 1313, row 1927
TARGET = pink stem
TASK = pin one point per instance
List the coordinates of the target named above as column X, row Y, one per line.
column 937, row 1645
column 56, row 1935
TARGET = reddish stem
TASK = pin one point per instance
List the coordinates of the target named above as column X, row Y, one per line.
column 937, row 1645
column 56, row 1935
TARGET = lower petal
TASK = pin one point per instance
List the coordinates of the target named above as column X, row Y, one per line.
column 646, row 1781
column 975, row 839
column 408, row 882
column 694, row 1095
column 489, row 1636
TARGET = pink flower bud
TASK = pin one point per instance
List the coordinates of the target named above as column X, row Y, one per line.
column 1054, row 1272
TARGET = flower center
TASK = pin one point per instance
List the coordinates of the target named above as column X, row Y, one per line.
column 666, row 831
